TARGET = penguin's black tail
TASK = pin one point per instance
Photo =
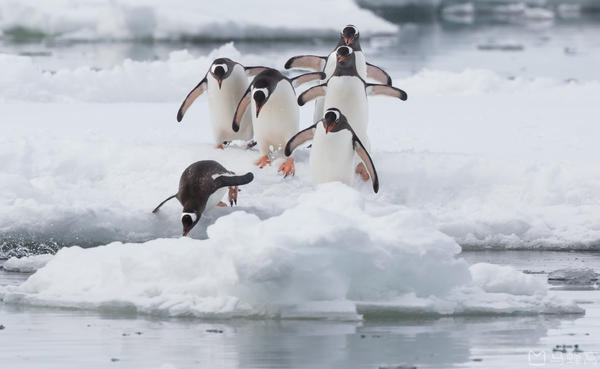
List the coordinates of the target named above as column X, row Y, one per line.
column 162, row 203
column 229, row 180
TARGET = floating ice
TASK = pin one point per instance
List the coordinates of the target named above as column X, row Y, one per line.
column 333, row 254
column 26, row 264
column 181, row 19
column 578, row 276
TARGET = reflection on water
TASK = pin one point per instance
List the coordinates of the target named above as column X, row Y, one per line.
column 66, row 339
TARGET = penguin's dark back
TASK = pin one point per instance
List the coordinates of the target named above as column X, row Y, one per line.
column 196, row 180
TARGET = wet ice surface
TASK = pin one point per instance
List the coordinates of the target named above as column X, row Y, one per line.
column 62, row 338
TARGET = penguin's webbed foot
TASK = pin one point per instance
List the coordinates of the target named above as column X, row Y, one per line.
column 233, row 194
column 362, row 171
column 222, row 204
column 263, row 161
column 288, row 168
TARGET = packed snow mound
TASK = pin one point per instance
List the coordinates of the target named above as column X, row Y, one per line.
column 335, row 254
column 576, row 276
column 27, row 264
column 182, row 19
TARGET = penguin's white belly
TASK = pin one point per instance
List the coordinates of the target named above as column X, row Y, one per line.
column 278, row 120
column 331, row 156
column 348, row 95
column 361, row 64
column 215, row 197
column 223, row 103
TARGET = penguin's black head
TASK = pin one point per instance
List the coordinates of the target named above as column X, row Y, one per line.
column 345, row 55
column 189, row 220
column 349, row 34
column 260, row 94
column 333, row 120
column 221, row 69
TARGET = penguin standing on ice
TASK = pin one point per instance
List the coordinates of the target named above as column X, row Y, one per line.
column 226, row 81
column 201, row 187
column 347, row 91
column 334, row 144
column 275, row 113
column 349, row 36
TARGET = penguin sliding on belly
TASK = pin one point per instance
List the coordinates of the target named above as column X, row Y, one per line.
column 201, row 187
column 334, row 144
column 226, row 81
column 275, row 113
column 347, row 91
column 349, row 36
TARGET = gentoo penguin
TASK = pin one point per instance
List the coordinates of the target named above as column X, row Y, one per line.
column 333, row 147
column 275, row 113
column 347, row 91
column 226, row 81
column 201, row 187
column 349, row 36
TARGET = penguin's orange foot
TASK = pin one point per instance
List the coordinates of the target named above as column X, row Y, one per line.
column 222, row 204
column 288, row 167
column 263, row 161
column 220, row 147
column 233, row 194
column 362, row 170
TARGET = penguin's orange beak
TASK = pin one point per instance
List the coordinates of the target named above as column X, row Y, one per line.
column 348, row 41
column 341, row 58
column 329, row 128
column 185, row 233
column 219, row 82
column 258, row 109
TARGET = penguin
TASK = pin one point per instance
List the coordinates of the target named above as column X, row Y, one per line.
column 225, row 81
column 275, row 113
column 334, row 144
column 201, row 187
column 349, row 36
column 347, row 91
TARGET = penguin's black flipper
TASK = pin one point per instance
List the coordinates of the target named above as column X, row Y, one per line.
column 162, row 203
column 311, row 62
column 375, row 89
column 307, row 77
column 366, row 159
column 312, row 93
column 254, row 70
column 226, row 180
column 189, row 99
column 240, row 110
column 378, row 74
column 300, row 138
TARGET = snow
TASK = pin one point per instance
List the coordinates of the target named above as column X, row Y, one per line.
column 334, row 254
column 182, row 19
column 498, row 163
column 27, row 264
column 499, row 278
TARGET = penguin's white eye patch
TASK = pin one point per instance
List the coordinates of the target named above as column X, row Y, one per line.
column 194, row 216
column 264, row 90
column 214, row 67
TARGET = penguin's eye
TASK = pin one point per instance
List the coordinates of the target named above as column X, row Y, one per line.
column 332, row 115
column 264, row 91
column 215, row 66
column 193, row 217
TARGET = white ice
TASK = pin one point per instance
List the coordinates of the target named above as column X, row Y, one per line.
column 471, row 159
column 26, row 264
column 182, row 19
column 334, row 254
